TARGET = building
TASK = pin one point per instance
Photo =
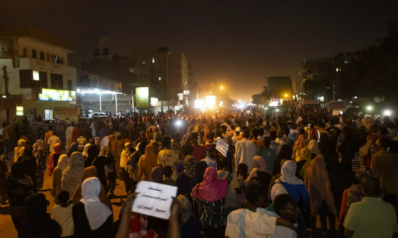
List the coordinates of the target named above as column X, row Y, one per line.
column 281, row 86
column 167, row 74
column 37, row 77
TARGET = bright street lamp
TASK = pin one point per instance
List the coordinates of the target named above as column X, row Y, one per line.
column 369, row 108
column 286, row 95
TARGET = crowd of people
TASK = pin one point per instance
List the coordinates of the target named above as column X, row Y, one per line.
column 278, row 174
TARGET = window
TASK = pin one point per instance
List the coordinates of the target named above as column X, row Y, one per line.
column 19, row 110
column 153, row 60
column 345, row 61
column 26, row 79
column 57, row 81
column 43, row 79
column 160, row 78
column 34, row 54
column 24, row 52
column 70, row 85
column 36, row 76
column 143, row 62
column 41, row 55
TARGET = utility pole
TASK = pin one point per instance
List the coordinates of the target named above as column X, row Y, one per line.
column 168, row 82
column 5, row 76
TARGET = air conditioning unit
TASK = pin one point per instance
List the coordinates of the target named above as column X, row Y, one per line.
column 3, row 48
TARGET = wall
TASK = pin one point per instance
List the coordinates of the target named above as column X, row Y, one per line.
column 30, row 44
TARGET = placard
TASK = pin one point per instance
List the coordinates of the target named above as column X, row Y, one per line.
column 222, row 147
column 154, row 199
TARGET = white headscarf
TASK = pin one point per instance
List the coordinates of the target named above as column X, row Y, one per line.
column 288, row 172
column 97, row 212
column 63, row 162
column 313, row 147
column 276, row 190
column 85, row 151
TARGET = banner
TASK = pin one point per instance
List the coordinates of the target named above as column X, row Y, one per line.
column 142, row 97
column 68, row 114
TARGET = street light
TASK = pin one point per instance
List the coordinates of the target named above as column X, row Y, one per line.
column 221, row 88
column 369, row 108
column 286, row 95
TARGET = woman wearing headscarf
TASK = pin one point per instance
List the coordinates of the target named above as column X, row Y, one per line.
column 184, row 180
column 293, row 185
column 90, row 172
column 354, row 193
column 208, row 196
column 19, row 150
column 147, row 163
column 99, row 162
column 91, row 217
column 298, row 145
column 38, row 223
column 303, row 162
column 190, row 225
column 73, row 148
column 326, row 146
column 313, row 146
column 260, row 171
column 285, row 153
column 134, row 159
column 63, row 163
column 40, row 154
column 53, row 158
column 322, row 200
column 73, row 174
column 19, row 187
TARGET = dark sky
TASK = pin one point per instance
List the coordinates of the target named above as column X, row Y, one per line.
column 237, row 44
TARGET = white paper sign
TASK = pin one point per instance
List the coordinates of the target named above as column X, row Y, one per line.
column 154, row 199
column 222, row 147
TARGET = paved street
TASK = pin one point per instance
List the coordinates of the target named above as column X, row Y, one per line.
column 7, row 227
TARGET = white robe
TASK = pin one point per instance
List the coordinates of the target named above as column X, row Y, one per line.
column 69, row 135
column 245, row 152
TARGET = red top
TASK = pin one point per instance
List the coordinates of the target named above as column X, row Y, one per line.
column 199, row 152
column 76, row 134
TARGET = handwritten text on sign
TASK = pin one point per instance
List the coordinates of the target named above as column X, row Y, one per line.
column 154, row 199
column 222, row 147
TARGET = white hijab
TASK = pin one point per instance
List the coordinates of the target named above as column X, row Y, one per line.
column 63, row 162
column 97, row 212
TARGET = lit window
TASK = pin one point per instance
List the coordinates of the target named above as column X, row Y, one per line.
column 36, row 76
column 345, row 61
column 143, row 62
column 160, row 78
column 19, row 111
column 153, row 60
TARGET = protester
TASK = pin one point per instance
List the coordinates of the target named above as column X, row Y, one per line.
column 211, row 158
column 284, row 154
column 63, row 163
column 54, row 139
column 62, row 213
column 199, row 152
column 168, row 172
column 322, row 200
column 166, row 157
column 208, row 197
column 69, row 136
column 299, row 144
column 72, row 175
column 269, row 155
column 184, row 181
column 81, row 141
column 19, row 188
column 146, row 163
column 371, row 217
column 19, row 150
column 190, row 225
column 38, row 222
column 91, row 217
column 53, row 158
column 124, row 157
column 245, row 151
column 260, row 171
column 40, row 154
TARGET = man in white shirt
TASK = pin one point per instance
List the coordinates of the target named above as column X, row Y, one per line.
column 256, row 222
column 69, row 135
column 52, row 141
column 245, row 150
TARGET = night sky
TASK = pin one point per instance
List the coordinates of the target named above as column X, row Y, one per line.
column 237, row 44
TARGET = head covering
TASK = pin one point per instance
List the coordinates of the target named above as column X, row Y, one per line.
column 259, row 164
column 362, row 172
column 189, row 166
column 72, row 175
column 85, row 151
column 89, row 172
column 148, row 161
column 37, row 147
column 21, row 142
column 96, row 212
column 300, row 143
column 305, row 154
column 57, row 148
column 186, row 209
column 318, row 186
column 92, row 151
column 157, row 174
column 313, row 147
column 200, row 169
column 276, row 190
column 63, row 162
column 288, row 172
column 211, row 189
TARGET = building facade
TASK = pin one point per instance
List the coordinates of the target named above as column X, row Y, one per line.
column 317, row 69
column 280, row 86
column 37, row 77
